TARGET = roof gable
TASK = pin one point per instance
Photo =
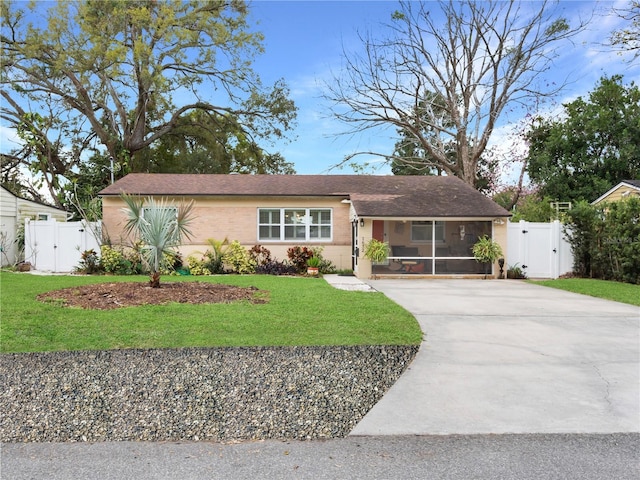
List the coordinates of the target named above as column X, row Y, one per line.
column 371, row 195
column 36, row 204
column 632, row 185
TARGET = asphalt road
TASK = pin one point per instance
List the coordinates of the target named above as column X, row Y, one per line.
column 464, row 457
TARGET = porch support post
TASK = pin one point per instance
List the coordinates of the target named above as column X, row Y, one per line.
column 500, row 237
column 365, row 233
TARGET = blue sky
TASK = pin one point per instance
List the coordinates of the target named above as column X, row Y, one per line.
column 304, row 42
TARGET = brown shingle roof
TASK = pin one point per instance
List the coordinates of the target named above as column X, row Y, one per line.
column 371, row 195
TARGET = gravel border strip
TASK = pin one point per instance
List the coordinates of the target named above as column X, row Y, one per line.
column 212, row 394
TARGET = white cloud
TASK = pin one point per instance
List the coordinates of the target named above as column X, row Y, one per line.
column 9, row 139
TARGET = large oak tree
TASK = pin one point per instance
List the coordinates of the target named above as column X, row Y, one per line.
column 130, row 71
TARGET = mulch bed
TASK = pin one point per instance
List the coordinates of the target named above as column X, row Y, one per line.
column 107, row 296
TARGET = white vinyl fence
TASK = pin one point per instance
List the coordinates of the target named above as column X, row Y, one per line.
column 540, row 249
column 57, row 246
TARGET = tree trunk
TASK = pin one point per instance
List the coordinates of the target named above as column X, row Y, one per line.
column 154, row 279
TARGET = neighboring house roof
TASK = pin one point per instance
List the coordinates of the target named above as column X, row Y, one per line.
column 35, row 203
column 371, row 195
column 632, row 185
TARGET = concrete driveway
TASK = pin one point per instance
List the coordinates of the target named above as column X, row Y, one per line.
column 504, row 356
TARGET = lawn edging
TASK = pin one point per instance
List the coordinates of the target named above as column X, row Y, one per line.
column 195, row 394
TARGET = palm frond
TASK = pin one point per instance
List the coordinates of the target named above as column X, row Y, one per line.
column 133, row 211
column 159, row 225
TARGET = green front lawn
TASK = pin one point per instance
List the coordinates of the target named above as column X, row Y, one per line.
column 301, row 311
column 616, row 291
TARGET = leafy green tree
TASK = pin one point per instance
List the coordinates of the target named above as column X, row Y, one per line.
column 619, row 252
column 129, row 71
column 205, row 142
column 10, row 176
column 534, row 208
column 80, row 194
column 581, row 230
column 43, row 154
column 409, row 159
column 475, row 58
column 160, row 226
column 605, row 240
column 506, row 197
column 591, row 149
column 526, row 203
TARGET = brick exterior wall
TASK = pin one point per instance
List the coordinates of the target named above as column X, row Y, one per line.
column 236, row 219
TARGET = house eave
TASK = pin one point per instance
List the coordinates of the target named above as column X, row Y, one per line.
column 613, row 189
column 432, row 217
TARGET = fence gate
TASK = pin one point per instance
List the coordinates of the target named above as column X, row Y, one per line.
column 58, row 246
column 540, row 249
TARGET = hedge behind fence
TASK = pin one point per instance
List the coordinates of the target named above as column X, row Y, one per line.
column 605, row 240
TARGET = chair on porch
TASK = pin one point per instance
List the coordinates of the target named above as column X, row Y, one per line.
column 408, row 265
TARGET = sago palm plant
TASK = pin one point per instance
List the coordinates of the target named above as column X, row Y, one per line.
column 160, row 226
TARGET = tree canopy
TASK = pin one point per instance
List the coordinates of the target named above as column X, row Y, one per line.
column 592, row 147
column 128, row 73
column 445, row 79
column 205, row 142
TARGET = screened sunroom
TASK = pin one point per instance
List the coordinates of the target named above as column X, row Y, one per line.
column 430, row 247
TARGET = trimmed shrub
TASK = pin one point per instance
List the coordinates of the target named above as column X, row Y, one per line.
column 214, row 257
column 197, row 266
column 261, row 255
column 276, row 268
column 89, row 263
column 116, row 262
column 171, row 263
column 238, row 259
column 298, row 256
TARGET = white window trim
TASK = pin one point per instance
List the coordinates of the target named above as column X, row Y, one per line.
column 307, row 224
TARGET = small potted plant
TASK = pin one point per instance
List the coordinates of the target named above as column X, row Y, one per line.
column 313, row 266
column 516, row 272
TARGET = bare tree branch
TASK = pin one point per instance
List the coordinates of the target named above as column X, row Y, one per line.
column 484, row 57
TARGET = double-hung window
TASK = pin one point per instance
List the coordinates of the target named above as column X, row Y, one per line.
column 170, row 212
column 320, row 224
column 424, row 231
column 269, row 224
column 294, row 224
